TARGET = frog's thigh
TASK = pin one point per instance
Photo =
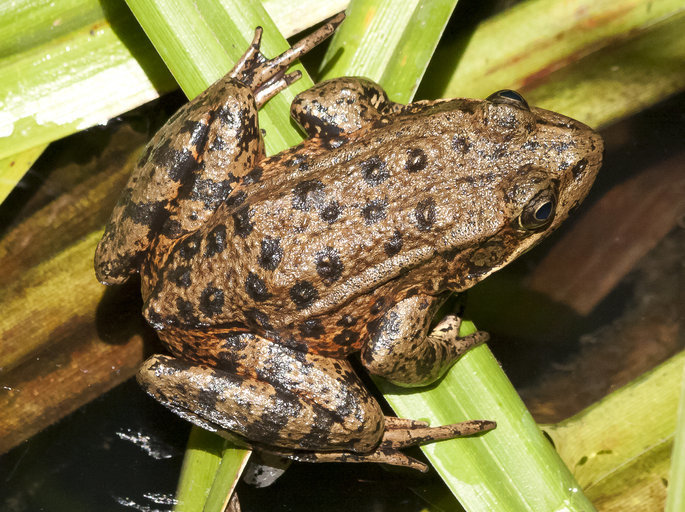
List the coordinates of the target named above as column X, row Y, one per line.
column 403, row 351
column 188, row 169
column 300, row 402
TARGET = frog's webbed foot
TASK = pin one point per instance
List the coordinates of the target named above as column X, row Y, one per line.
column 266, row 77
column 400, row 433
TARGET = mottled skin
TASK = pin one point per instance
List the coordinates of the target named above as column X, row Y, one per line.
column 261, row 275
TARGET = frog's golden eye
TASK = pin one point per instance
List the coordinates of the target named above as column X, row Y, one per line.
column 539, row 212
column 510, row 97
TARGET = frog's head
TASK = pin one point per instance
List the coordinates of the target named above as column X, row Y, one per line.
column 522, row 171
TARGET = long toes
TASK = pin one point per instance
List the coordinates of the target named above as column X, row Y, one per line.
column 384, row 454
column 400, row 438
column 258, row 72
column 267, row 91
column 305, row 44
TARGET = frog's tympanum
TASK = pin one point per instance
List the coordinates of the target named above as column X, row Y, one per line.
column 263, row 274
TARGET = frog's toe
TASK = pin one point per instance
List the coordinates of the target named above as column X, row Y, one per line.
column 384, row 454
column 270, row 89
column 255, row 70
column 399, row 433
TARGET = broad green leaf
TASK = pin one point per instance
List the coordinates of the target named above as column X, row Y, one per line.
column 13, row 167
column 69, row 65
column 619, row 447
column 388, row 42
column 524, row 44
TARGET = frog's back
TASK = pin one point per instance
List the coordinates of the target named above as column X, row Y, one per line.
column 321, row 232
column 323, row 227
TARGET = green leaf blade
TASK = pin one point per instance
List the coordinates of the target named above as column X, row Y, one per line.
column 377, row 31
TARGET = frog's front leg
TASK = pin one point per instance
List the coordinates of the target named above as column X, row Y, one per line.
column 403, row 351
column 341, row 106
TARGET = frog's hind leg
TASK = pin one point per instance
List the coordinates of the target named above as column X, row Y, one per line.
column 403, row 350
column 195, row 161
column 399, row 433
column 268, row 393
column 300, row 405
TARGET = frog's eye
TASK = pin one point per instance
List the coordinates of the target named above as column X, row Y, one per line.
column 510, row 97
column 539, row 212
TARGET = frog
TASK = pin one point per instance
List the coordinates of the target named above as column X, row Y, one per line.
column 266, row 276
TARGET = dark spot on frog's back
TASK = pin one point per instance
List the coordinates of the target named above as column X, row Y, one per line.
column 210, row 192
column 394, row 245
column 374, row 211
column 189, row 247
column 144, row 213
column 180, row 276
column 425, row 214
column 303, row 294
column 329, row 265
column 374, row 171
column 241, row 221
column 330, row 212
column 178, row 164
column 186, row 312
column 256, row 288
column 416, row 160
column 271, row 253
column 211, row 301
column 312, row 328
column 346, row 338
column 215, row 241
column 307, row 194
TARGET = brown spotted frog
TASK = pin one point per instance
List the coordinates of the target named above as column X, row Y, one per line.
column 263, row 274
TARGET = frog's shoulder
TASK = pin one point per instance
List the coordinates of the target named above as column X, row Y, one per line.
column 340, row 106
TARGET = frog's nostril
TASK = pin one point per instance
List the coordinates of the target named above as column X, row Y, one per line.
column 579, row 168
